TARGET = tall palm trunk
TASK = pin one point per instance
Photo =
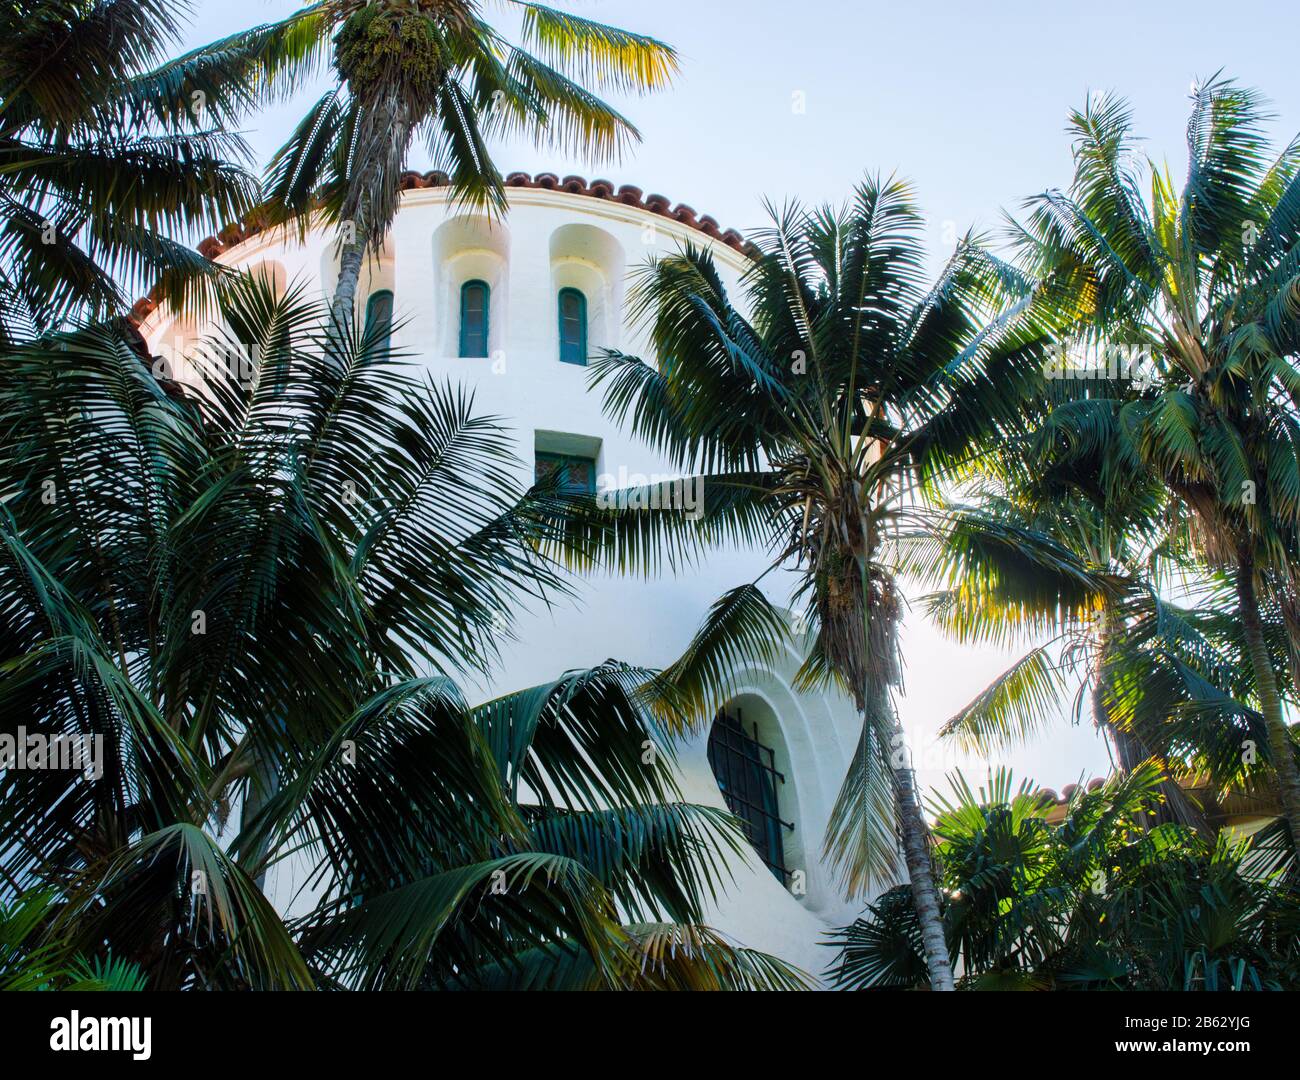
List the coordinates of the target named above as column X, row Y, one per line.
column 373, row 192
column 925, row 894
column 864, row 647
column 344, row 305
column 1279, row 738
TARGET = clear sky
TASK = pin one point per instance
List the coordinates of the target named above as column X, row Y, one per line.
column 968, row 100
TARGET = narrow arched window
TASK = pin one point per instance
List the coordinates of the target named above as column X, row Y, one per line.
column 474, row 299
column 573, row 327
column 379, row 318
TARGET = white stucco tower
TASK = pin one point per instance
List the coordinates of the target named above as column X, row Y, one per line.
column 507, row 308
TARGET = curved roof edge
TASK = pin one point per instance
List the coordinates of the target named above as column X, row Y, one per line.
column 628, row 195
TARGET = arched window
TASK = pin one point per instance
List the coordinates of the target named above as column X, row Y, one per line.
column 748, row 778
column 474, row 299
column 573, row 327
column 379, row 317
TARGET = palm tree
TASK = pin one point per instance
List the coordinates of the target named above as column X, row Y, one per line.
column 1046, row 553
column 1205, row 283
column 1042, row 557
column 1091, row 901
column 435, row 69
column 256, row 592
column 104, row 158
column 31, row 961
column 808, row 423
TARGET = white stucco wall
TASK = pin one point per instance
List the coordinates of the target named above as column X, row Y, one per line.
column 550, row 240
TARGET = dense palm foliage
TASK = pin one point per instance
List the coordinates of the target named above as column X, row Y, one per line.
column 1048, row 563
column 1160, row 462
column 1206, row 283
column 107, row 153
column 811, row 423
column 1092, row 901
column 31, row 960
column 436, row 70
column 257, row 590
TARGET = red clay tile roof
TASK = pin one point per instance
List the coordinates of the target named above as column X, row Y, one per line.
column 628, row 195
column 1067, row 792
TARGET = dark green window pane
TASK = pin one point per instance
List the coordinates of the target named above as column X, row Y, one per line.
column 474, row 301
column 573, row 327
column 379, row 317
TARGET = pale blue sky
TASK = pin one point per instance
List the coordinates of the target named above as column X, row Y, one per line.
column 968, row 100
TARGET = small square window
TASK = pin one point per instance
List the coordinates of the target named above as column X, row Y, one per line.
column 577, row 474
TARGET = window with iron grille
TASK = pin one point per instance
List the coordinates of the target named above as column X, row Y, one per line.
column 747, row 776
column 577, row 475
